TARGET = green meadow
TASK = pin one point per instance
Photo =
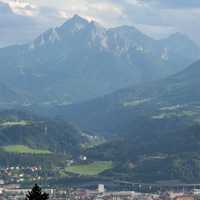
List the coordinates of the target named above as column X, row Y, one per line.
column 20, row 149
column 91, row 169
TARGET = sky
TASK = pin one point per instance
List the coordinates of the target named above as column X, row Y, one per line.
column 23, row 20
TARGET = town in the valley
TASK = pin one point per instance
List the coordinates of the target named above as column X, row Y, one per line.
column 13, row 187
column 15, row 192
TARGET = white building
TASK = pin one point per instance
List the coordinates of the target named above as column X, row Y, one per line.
column 101, row 188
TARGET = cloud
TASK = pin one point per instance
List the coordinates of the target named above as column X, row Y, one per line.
column 21, row 8
column 161, row 17
column 21, row 22
column 157, row 32
column 15, row 28
column 175, row 4
column 104, row 12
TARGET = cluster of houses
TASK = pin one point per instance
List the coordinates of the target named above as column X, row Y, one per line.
column 12, row 175
column 14, row 192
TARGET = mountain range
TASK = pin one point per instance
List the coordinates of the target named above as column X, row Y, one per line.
column 152, row 126
column 81, row 60
column 117, row 111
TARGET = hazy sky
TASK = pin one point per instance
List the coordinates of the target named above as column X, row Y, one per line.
column 22, row 20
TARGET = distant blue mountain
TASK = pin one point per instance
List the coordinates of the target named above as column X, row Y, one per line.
column 156, row 126
column 171, row 104
column 8, row 96
column 81, row 60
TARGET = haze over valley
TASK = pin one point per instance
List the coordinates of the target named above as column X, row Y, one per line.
column 84, row 102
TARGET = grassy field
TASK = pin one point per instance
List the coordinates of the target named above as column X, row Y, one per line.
column 23, row 149
column 90, row 169
column 15, row 123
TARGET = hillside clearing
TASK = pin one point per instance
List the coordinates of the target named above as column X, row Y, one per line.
column 19, row 149
column 91, row 169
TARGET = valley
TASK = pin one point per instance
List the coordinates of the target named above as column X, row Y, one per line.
column 82, row 104
column 145, row 121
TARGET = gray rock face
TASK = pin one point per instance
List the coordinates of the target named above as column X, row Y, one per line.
column 81, row 60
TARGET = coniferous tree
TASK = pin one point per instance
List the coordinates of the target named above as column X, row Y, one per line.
column 37, row 194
